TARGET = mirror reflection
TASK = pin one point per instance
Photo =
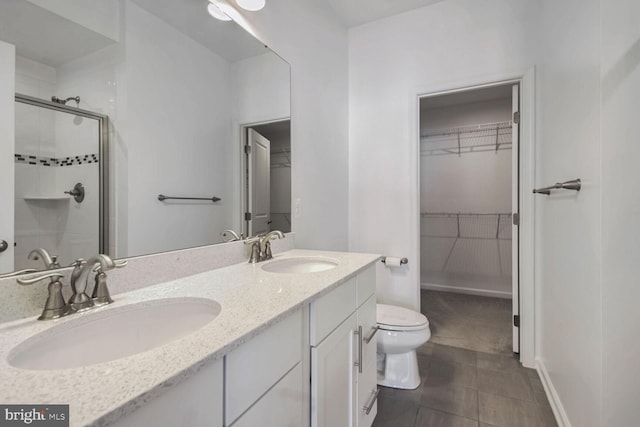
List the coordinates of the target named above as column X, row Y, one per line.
column 181, row 93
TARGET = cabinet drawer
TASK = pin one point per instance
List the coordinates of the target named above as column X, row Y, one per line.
column 280, row 407
column 366, row 284
column 254, row 367
column 328, row 311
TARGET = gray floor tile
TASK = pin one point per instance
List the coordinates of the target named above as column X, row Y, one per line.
column 505, row 383
column 443, row 353
column 411, row 396
column 506, row 412
column 447, row 373
column 469, row 321
column 498, row 362
column 454, row 400
column 395, row 412
column 431, row 418
column 546, row 413
column 534, row 380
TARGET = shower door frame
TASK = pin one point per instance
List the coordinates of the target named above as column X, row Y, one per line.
column 103, row 156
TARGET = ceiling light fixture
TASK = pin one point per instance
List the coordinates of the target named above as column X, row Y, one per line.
column 251, row 5
column 215, row 11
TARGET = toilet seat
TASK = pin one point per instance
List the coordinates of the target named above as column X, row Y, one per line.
column 393, row 318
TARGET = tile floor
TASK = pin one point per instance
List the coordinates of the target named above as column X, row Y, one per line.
column 465, row 387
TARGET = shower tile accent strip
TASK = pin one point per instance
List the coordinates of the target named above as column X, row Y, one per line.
column 52, row 161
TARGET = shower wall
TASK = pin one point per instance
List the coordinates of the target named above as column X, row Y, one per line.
column 53, row 151
column 465, row 237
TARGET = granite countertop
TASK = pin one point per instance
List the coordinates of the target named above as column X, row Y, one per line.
column 251, row 299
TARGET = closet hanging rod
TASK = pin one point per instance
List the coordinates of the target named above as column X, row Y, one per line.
column 162, row 198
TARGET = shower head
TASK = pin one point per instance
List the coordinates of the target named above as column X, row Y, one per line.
column 64, row 101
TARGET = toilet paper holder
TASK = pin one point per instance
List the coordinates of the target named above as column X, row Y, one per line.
column 403, row 260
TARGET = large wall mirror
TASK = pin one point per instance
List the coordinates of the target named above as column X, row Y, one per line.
column 117, row 102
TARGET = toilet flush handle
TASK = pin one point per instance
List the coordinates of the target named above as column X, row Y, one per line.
column 369, row 337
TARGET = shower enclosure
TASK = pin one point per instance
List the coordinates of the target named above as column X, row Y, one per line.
column 61, row 180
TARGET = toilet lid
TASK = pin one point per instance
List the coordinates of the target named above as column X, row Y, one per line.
column 393, row 318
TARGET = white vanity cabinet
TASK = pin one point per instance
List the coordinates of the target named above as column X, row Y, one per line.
column 197, row 401
column 343, row 365
column 263, row 378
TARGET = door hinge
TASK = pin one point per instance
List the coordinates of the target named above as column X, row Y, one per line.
column 247, row 216
column 516, row 321
column 516, row 219
column 247, row 149
column 516, row 117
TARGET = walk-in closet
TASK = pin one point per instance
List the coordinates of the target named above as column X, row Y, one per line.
column 465, row 181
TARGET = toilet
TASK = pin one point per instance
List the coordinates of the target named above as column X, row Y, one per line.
column 400, row 332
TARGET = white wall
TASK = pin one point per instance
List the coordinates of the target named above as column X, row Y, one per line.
column 391, row 61
column 620, row 79
column 313, row 41
column 473, row 182
column 175, row 135
column 261, row 89
column 568, row 228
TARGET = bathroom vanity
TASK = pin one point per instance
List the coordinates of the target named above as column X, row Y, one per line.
column 291, row 343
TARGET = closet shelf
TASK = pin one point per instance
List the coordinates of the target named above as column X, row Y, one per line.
column 467, row 139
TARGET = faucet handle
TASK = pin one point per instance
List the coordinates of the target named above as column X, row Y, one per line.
column 100, row 293
column 35, row 279
column 55, row 306
column 116, row 264
column 18, row 273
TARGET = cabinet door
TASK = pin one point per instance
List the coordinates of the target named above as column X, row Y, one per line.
column 333, row 378
column 368, row 378
column 280, row 407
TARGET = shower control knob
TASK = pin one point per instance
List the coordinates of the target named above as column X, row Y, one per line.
column 3, row 245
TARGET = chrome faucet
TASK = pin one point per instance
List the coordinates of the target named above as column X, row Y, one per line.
column 50, row 261
column 234, row 236
column 55, row 306
column 80, row 301
column 265, row 244
column 261, row 246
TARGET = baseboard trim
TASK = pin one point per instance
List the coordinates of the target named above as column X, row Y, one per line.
column 468, row 291
column 552, row 395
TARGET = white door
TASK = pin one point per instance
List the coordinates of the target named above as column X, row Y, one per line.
column 332, row 376
column 7, row 144
column 515, row 180
column 258, row 183
column 368, row 378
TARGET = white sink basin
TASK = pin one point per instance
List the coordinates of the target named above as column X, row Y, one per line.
column 102, row 336
column 301, row 265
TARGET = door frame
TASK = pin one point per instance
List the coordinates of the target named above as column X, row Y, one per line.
column 242, row 175
column 527, row 298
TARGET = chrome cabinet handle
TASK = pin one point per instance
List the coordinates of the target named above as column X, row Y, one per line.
column 369, row 337
column 359, row 362
column 374, row 396
column 3, row 245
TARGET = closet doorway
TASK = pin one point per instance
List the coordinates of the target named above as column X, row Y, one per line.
column 267, row 177
column 469, row 180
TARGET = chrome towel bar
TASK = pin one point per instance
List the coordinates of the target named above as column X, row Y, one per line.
column 574, row 184
column 162, row 197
